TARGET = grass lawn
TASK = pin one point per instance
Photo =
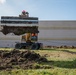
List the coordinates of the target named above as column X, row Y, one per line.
column 56, row 71
column 62, row 62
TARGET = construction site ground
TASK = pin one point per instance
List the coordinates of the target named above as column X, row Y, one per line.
column 50, row 61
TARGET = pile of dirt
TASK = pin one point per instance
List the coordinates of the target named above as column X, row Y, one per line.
column 62, row 46
column 19, row 59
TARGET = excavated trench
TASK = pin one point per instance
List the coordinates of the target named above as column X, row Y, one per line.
column 20, row 59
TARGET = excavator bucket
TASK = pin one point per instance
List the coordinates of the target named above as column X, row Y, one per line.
column 19, row 30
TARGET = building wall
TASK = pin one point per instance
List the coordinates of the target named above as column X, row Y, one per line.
column 57, row 30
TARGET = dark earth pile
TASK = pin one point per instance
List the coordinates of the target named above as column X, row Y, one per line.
column 19, row 30
column 19, row 59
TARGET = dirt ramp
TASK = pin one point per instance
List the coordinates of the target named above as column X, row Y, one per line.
column 19, row 59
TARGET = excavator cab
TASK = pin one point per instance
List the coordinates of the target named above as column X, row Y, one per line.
column 33, row 37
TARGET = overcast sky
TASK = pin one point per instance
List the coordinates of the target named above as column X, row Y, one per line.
column 44, row 9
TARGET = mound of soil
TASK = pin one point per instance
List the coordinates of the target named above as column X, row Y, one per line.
column 19, row 59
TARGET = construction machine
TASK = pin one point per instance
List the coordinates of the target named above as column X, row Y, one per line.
column 25, row 26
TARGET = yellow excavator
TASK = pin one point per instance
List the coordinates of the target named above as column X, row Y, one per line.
column 25, row 26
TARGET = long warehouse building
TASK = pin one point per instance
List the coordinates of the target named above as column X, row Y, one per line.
column 50, row 30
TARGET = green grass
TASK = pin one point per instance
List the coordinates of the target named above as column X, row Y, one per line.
column 58, row 54
column 55, row 71
column 9, row 49
column 62, row 62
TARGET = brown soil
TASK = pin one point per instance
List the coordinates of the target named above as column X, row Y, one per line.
column 19, row 59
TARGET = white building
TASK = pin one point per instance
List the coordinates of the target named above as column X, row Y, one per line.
column 49, row 30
